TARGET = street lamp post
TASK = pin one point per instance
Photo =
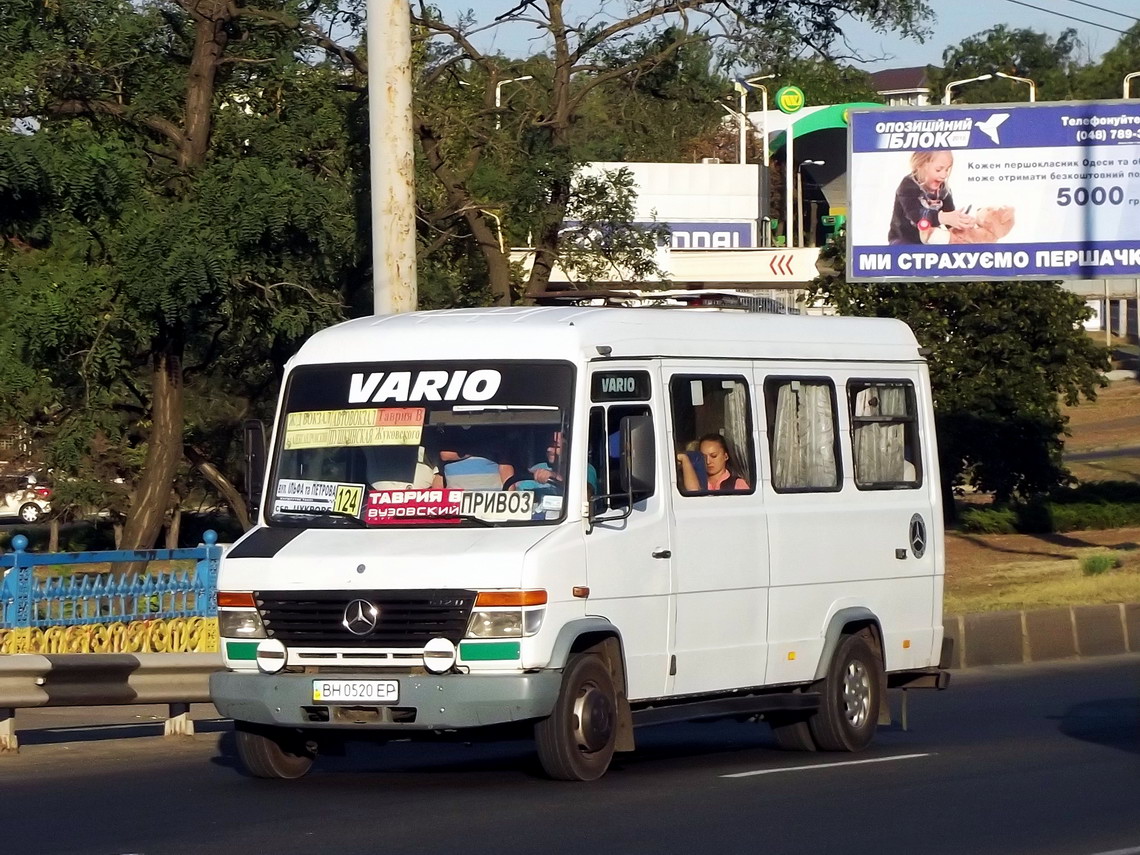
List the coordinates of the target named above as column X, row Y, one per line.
column 1128, row 78
column 800, row 191
column 765, row 191
column 953, row 83
column 1026, row 80
column 499, row 95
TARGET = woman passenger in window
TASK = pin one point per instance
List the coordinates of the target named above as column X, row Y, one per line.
column 721, row 478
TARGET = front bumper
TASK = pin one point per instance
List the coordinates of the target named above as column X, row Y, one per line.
column 428, row 702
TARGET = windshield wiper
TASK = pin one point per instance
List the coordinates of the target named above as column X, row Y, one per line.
column 327, row 513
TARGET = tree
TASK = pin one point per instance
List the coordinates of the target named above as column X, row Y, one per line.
column 1001, row 356
column 185, row 216
column 1105, row 79
column 1050, row 63
column 587, row 55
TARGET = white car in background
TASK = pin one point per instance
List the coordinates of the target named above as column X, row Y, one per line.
column 24, row 498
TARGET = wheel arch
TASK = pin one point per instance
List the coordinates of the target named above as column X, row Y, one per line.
column 599, row 637
column 850, row 620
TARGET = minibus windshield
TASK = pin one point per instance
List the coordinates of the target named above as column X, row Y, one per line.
column 472, row 443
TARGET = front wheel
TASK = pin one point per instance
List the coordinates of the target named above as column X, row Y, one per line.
column 272, row 752
column 576, row 741
column 850, row 696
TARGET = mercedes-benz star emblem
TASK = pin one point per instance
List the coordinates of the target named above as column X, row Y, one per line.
column 917, row 535
column 360, row 617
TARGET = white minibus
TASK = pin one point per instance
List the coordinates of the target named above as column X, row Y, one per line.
column 579, row 520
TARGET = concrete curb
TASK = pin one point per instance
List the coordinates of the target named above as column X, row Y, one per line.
column 1042, row 635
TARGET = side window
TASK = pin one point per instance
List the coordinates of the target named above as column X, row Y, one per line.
column 604, row 456
column 712, row 425
column 802, row 434
column 884, row 435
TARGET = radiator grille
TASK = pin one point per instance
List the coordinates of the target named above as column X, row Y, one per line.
column 406, row 619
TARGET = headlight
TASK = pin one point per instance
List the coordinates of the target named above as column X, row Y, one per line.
column 240, row 623
column 495, row 624
column 507, row 614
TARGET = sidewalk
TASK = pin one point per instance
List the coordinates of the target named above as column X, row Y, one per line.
column 53, row 725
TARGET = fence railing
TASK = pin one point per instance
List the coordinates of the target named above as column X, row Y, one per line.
column 59, row 611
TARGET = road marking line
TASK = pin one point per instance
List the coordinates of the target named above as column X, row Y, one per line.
column 860, row 763
column 1133, row 851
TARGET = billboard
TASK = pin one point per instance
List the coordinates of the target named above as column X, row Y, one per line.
column 1005, row 191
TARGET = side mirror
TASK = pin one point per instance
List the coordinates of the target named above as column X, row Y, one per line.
column 254, row 463
column 638, row 456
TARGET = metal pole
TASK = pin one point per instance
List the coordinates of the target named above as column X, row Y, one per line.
column 800, row 201
column 391, row 157
column 743, row 157
column 1107, row 319
column 765, row 235
column 953, row 83
column 499, row 96
column 1032, row 85
column 789, row 179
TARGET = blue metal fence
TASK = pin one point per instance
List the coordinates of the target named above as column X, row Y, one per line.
column 30, row 599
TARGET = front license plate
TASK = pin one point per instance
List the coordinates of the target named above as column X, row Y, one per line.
column 356, row 691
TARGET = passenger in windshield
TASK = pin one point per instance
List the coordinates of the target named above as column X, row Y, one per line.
column 547, row 477
column 475, row 466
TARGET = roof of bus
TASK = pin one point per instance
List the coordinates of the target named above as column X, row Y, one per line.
column 576, row 333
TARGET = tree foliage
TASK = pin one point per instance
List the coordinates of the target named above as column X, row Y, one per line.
column 184, row 215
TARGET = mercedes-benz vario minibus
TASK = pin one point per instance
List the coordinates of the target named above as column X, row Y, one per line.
column 576, row 521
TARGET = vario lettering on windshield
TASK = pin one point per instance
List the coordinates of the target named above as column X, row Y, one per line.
column 460, row 385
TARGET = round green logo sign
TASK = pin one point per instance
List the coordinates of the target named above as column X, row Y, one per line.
column 790, row 99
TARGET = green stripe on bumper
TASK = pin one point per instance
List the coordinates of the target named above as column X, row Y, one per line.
column 481, row 651
column 244, row 650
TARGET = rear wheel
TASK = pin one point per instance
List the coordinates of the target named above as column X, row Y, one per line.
column 576, row 741
column 272, row 752
column 849, row 698
column 30, row 512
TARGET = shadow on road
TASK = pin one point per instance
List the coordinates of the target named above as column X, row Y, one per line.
column 100, row 732
column 1114, row 722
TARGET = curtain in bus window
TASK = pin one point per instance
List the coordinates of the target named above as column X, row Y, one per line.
column 880, row 446
column 736, row 433
column 803, row 444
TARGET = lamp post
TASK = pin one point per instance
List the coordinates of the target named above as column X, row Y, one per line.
column 800, row 191
column 742, row 87
column 953, row 83
column 1128, row 78
column 1032, row 85
column 499, row 95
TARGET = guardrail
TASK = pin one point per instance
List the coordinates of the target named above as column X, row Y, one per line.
column 29, row 680
column 51, row 621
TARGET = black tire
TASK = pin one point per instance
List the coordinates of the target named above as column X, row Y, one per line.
column 30, row 512
column 272, row 752
column 850, row 694
column 792, row 732
column 576, row 741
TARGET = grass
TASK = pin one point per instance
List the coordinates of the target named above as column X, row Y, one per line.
column 1047, row 582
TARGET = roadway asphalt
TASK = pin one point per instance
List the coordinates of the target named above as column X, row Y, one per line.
column 1036, row 759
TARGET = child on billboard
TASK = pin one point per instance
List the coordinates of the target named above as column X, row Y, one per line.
column 923, row 202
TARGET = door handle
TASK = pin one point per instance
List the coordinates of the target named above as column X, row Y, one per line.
column 662, row 553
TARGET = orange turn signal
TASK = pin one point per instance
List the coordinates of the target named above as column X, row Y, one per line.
column 487, row 599
column 236, row 599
